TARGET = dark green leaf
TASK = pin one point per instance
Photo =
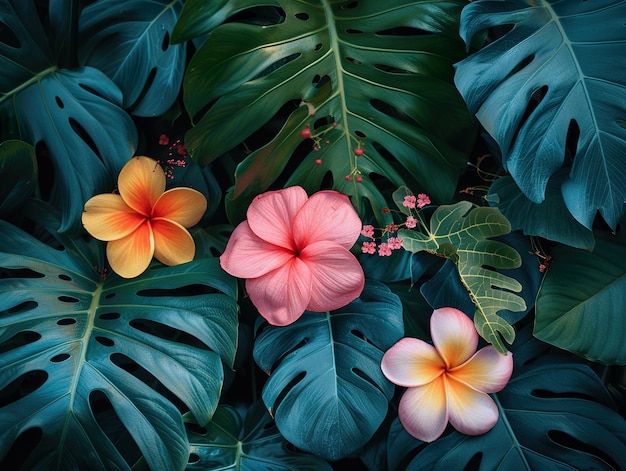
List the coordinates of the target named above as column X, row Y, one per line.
column 326, row 390
column 18, row 170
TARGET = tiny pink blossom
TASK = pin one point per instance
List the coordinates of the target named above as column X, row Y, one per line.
column 394, row 243
column 391, row 228
column 164, row 140
column 422, row 200
column 409, row 201
column 368, row 231
column 384, row 250
column 411, row 222
column 368, row 247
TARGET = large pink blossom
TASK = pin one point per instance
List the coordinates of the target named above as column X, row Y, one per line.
column 449, row 381
column 294, row 252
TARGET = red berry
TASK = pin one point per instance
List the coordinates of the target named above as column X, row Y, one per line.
column 305, row 133
column 318, row 161
column 359, row 179
column 348, row 178
column 334, row 124
column 358, row 151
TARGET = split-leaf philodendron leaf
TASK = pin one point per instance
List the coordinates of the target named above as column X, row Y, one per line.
column 76, row 349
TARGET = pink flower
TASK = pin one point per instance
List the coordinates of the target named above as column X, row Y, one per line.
column 294, row 252
column 394, row 243
column 409, row 201
column 411, row 222
column 164, row 140
column 368, row 231
column 368, row 247
column 422, row 200
column 449, row 381
column 384, row 250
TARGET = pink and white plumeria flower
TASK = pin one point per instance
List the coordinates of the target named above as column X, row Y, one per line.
column 449, row 381
column 294, row 252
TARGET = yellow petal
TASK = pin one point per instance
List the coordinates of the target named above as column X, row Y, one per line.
column 172, row 243
column 140, row 184
column 130, row 256
column 470, row 411
column 107, row 217
column 182, row 205
column 423, row 410
column 454, row 335
column 487, row 371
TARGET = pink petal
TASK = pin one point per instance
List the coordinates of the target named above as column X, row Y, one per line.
column 282, row 295
column 182, row 205
column 140, row 183
column 130, row 256
column 247, row 256
column 271, row 215
column 107, row 217
column 327, row 215
column 423, row 411
column 454, row 335
column 173, row 245
column 412, row 362
column 471, row 412
column 337, row 276
column 487, row 371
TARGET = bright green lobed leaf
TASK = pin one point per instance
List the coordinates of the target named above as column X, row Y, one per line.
column 73, row 342
column 550, row 78
column 326, row 390
column 381, row 70
column 460, row 233
column 580, row 305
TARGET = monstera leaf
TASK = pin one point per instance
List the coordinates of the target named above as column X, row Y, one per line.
column 74, row 115
column 554, row 414
column 461, row 232
column 551, row 82
column 130, row 43
column 77, row 349
column 367, row 75
column 326, row 390
column 18, row 168
column 580, row 306
column 248, row 443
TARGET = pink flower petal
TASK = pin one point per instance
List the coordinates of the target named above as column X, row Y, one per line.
column 282, row 295
column 130, row 256
column 337, row 276
column 454, row 335
column 173, row 245
column 107, row 217
column 184, row 206
column 327, row 215
column 487, row 371
column 412, row 362
column 141, row 181
column 247, row 256
column 271, row 215
column 471, row 412
column 423, row 411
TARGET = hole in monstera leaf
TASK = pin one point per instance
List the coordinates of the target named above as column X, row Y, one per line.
column 166, row 332
column 352, row 60
column 403, row 31
column 196, row 428
column 143, row 375
column 361, row 374
column 302, row 16
column 19, row 340
column 8, row 37
column 166, row 41
column 59, row 102
column 496, row 32
column 534, row 101
column 261, row 15
column 571, row 143
column 22, row 386
column 65, row 277
column 189, row 290
column 474, row 463
column 93, row 91
column 109, row 295
column 23, row 307
column 318, row 46
column 84, row 136
column 66, row 321
column 523, row 63
column 59, row 358
column 360, row 134
column 19, row 273
column 392, row 70
column 110, row 423
column 353, row 31
column 193, row 458
column 391, row 111
column 286, row 353
column 144, row 91
column 68, row 299
column 350, row 5
column 564, row 439
column 545, row 394
column 107, row 342
column 319, row 81
column 109, row 316
column 287, row 389
column 22, row 447
column 45, row 166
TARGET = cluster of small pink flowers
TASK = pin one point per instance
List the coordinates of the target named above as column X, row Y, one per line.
column 422, row 200
column 411, row 222
column 173, row 161
column 369, row 247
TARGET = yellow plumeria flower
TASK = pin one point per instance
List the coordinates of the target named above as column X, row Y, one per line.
column 144, row 220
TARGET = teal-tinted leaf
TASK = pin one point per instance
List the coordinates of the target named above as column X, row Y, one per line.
column 18, row 170
column 245, row 442
column 580, row 305
column 326, row 390
column 549, row 219
column 554, row 414
column 73, row 343
column 553, row 74
column 130, row 43
column 381, row 71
